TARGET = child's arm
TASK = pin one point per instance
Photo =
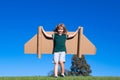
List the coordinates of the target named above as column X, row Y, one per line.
column 71, row 36
column 47, row 35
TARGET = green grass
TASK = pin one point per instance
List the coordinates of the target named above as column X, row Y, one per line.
column 60, row 78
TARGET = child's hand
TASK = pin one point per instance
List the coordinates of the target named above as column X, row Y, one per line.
column 42, row 28
column 79, row 27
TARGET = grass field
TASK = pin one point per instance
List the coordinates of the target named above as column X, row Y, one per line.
column 60, row 78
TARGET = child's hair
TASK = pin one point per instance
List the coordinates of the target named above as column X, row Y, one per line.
column 61, row 25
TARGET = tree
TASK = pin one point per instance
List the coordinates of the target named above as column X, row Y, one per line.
column 80, row 67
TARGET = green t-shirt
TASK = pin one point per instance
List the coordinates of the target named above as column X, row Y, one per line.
column 59, row 42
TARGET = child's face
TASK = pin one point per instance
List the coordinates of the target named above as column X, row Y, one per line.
column 60, row 30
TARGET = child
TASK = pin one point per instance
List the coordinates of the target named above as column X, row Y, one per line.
column 59, row 38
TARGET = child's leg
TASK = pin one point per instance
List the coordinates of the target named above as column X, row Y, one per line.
column 56, row 58
column 62, row 67
column 56, row 69
column 62, row 60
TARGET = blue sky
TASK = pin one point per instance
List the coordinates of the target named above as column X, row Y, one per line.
column 19, row 20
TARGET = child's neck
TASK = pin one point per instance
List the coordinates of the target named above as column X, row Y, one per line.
column 59, row 34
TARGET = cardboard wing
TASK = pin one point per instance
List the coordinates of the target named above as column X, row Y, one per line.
column 39, row 44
